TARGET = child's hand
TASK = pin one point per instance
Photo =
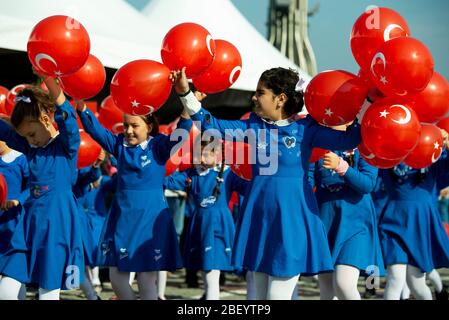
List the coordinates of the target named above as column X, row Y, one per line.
column 80, row 105
column 331, row 161
column 8, row 204
column 39, row 74
column 179, row 80
column 200, row 95
column 100, row 159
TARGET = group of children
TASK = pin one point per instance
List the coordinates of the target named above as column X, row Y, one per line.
column 295, row 218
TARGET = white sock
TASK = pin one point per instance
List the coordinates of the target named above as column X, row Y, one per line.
column 416, row 281
column 326, row 284
column 88, row 290
column 45, row 294
column 9, row 289
column 396, row 275
column 281, row 288
column 434, row 277
column 250, row 286
column 132, row 276
column 120, row 284
column 212, row 284
column 405, row 294
column 161, row 284
column 345, row 282
column 95, row 276
column 146, row 282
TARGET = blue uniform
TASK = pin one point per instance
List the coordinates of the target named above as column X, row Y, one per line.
column 139, row 234
column 211, row 233
column 348, row 213
column 47, row 247
column 380, row 196
column 280, row 232
column 410, row 227
column 14, row 168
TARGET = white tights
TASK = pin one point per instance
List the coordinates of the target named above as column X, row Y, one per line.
column 340, row 284
column 398, row 274
column 274, row 288
column 212, row 284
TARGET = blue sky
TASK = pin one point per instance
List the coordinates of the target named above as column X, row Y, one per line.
column 330, row 28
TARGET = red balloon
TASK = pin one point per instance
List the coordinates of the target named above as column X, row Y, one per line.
column 141, row 87
column 3, row 93
column 446, row 228
column 58, row 45
column 110, row 116
column 246, row 116
column 372, row 29
column 374, row 93
column 317, row 154
column 91, row 105
column 239, row 156
column 183, row 158
column 335, row 97
column 11, row 96
column 444, row 124
column 188, row 45
column 432, row 104
column 376, row 161
column 3, row 188
column 89, row 150
column 402, row 66
column 429, row 148
column 390, row 128
column 224, row 70
column 87, row 82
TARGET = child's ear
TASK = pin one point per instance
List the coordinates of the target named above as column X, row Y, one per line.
column 46, row 120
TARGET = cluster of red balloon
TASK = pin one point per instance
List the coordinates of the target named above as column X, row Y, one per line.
column 409, row 97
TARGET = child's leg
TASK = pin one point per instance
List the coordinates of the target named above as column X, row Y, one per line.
column 23, row 292
column 132, row 276
column 45, row 294
column 161, row 284
column 9, row 289
column 405, row 294
column 261, row 285
column 147, row 285
column 120, row 284
column 88, row 290
column 435, row 279
column 281, row 288
column 396, row 275
column 250, row 286
column 212, row 284
column 345, row 282
column 95, row 276
column 326, row 281
column 416, row 281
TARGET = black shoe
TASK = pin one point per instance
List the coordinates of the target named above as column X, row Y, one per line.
column 203, row 297
column 369, row 293
column 442, row 295
column 222, row 279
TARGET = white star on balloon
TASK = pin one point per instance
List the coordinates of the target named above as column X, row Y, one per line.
column 135, row 104
column 328, row 112
column 383, row 80
column 436, row 145
column 58, row 73
column 384, row 114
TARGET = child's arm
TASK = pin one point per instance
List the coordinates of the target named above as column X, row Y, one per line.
column 177, row 180
column 326, row 138
column 104, row 137
column 237, row 184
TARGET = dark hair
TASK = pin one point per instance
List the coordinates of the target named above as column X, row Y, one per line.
column 151, row 119
column 40, row 102
column 281, row 80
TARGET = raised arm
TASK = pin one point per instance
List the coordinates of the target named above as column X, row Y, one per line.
column 177, row 180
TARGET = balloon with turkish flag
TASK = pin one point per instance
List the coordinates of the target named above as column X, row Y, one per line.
column 401, row 67
column 86, row 82
column 374, row 93
column 141, row 87
column 380, row 163
column 110, row 116
column 3, row 188
column 188, row 45
column 89, row 150
column 335, row 97
column 224, row 70
column 429, row 148
column 11, row 96
column 390, row 128
column 183, row 158
column 3, row 93
column 373, row 28
column 238, row 155
column 58, row 45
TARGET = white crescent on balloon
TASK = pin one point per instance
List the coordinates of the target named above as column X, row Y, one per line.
column 380, row 56
column 408, row 114
column 433, row 157
column 370, row 156
column 150, row 108
column 208, row 40
column 388, row 29
column 233, row 72
column 44, row 56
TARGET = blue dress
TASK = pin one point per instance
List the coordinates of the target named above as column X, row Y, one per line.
column 211, row 232
column 380, row 196
column 14, row 168
column 139, row 233
column 81, row 190
column 46, row 247
column 280, row 232
column 348, row 213
column 410, row 227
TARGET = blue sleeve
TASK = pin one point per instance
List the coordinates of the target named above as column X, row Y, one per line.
column 25, row 194
column 207, row 122
column 177, row 180
column 12, row 138
column 363, row 179
column 109, row 184
column 311, row 175
column 104, row 137
column 167, row 145
column 65, row 118
column 441, row 170
column 237, row 184
column 326, row 138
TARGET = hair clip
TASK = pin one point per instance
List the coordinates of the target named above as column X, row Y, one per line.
column 300, row 85
column 22, row 98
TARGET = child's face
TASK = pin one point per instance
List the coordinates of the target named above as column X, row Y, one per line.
column 135, row 129
column 36, row 132
column 208, row 158
column 267, row 104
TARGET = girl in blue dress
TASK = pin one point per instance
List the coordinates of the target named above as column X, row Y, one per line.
column 46, row 248
column 139, row 234
column 412, row 235
column 210, row 237
column 280, row 234
column 343, row 184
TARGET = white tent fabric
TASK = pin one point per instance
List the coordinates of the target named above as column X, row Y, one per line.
column 224, row 21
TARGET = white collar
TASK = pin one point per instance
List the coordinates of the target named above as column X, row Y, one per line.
column 143, row 144
column 10, row 156
column 49, row 141
column 203, row 172
column 283, row 122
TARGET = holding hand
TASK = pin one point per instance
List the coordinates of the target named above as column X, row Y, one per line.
column 179, row 80
column 331, row 161
column 445, row 138
column 53, row 87
column 8, row 204
column 200, row 95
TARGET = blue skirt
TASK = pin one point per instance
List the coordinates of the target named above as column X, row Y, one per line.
column 46, row 248
column 411, row 232
column 90, row 242
column 209, row 240
column 139, row 234
column 280, row 232
column 8, row 223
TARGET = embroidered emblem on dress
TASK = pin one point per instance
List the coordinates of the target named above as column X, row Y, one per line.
column 290, row 142
column 123, row 253
column 208, row 201
column 145, row 160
